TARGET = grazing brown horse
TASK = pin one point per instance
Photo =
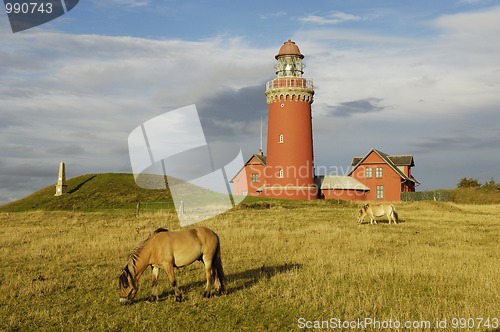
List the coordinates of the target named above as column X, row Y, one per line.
column 373, row 211
column 166, row 250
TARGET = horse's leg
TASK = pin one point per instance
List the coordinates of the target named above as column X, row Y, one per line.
column 219, row 276
column 389, row 217
column 209, row 275
column 154, row 290
column 218, row 285
column 171, row 276
column 372, row 218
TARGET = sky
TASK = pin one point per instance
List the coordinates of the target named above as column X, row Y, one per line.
column 404, row 77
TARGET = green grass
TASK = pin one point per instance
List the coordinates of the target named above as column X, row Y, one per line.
column 475, row 195
column 91, row 192
column 284, row 261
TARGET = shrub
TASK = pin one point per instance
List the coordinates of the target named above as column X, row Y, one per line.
column 468, row 183
column 491, row 185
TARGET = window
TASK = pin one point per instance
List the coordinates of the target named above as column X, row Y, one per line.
column 378, row 172
column 244, row 193
column 255, row 177
column 281, row 138
column 281, row 173
column 368, row 173
column 380, row 192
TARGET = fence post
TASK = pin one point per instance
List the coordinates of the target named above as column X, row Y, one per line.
column 181, row 208
column 137, row 209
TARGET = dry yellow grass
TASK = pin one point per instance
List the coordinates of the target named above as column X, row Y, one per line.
column 289, row 266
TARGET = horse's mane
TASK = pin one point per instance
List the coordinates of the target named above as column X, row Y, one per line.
column 134, row 255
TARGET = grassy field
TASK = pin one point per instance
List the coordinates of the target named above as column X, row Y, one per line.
column 293, row 265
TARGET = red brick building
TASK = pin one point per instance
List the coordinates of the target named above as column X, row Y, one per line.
column 250, row 179
column 386, row 176
column 288, row 169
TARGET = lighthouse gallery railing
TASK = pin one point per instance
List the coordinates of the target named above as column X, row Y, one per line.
column 294, row 82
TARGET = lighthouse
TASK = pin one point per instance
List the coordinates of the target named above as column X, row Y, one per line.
column 289, row 170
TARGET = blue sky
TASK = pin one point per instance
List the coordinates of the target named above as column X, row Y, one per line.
column 405, row 77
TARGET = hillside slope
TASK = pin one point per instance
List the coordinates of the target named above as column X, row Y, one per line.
column 90, row 191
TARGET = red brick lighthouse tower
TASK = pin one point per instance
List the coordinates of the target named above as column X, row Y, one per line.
column 289, row 171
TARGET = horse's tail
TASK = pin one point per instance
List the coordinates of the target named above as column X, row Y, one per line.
column 394, row 213
column 218, row 271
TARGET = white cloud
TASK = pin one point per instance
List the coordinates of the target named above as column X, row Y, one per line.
column 456, row 70
column 126, row 3
column 474, row 2
column 333, row 17
column 274, row 15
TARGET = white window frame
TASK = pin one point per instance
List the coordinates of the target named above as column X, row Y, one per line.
column 380, row 192
column 255, row 177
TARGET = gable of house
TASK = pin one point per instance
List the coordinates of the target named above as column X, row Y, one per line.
column 251, row 176
column 386, row 176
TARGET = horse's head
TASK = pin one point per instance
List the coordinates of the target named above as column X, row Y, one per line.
column 362, row 212
column 128, row 287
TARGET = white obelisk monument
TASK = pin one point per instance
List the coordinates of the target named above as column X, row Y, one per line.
column 61, row 186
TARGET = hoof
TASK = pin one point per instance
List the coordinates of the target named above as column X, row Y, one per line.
column 178, row 298
column 125, row 301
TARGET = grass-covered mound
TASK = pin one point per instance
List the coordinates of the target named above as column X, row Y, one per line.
column 90, row 191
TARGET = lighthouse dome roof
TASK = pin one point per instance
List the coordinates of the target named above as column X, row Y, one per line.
column 289, row 48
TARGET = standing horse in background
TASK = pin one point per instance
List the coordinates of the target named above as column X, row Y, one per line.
column 378, row 211
column 166, row 250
